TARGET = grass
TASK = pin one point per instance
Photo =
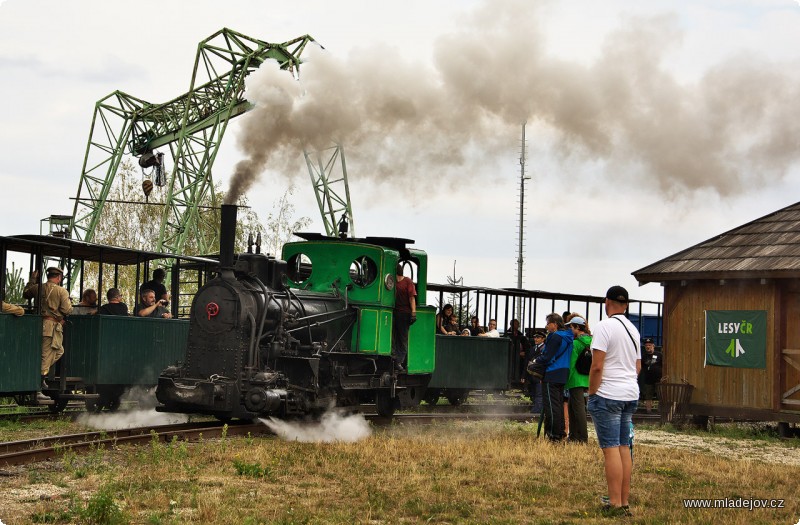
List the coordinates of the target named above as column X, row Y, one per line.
column 12, row 430
column 479, row 472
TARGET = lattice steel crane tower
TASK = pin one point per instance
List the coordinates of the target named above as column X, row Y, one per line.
column 191, row 126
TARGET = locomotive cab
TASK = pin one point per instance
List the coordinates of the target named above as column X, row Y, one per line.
column 364, row 270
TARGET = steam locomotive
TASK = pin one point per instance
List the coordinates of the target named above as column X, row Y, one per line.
column 271, row 337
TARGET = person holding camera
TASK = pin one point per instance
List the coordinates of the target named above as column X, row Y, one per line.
column 149, row 307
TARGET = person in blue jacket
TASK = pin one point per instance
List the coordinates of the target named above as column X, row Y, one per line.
column 556, row 355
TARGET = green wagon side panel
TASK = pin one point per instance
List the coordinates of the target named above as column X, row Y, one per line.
column 421, row 346
column 20, row 353
column 109, row 350
column 477, row 363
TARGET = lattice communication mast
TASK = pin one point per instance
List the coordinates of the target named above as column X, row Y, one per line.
column 521, row 223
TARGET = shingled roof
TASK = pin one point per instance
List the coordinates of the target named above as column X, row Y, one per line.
column 768, row 247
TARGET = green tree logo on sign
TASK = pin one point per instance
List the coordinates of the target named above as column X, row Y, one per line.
column 735, row 348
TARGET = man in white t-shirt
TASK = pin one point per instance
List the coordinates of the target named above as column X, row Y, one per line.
column 614, row 395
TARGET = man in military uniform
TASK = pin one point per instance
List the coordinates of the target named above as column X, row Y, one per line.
column 652, row 366
column 55, row 306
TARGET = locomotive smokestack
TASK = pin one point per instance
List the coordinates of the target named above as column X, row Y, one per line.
column 227, row 235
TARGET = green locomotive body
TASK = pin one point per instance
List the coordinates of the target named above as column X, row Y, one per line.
column 364, row 272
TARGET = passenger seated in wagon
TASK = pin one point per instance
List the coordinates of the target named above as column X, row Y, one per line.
column 88, row 304
column 114, row 306
column 149, row 307
column 452, row 327
column 443, row 318
column 475, row 327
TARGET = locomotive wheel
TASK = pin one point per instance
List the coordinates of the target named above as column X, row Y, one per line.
column 112, row 403
column 384, row 403
column 58, row 406
column 457, row 397
column 92, row 405
column 432, row 396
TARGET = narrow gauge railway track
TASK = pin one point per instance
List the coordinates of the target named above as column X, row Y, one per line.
column 481, row 408
column 41, row 449
column 422, row 418
column 507, row 411
column 508, row 416
column 27, row 417
column 33, row 450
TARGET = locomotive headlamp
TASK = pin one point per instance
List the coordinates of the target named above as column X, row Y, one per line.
column 388, row 281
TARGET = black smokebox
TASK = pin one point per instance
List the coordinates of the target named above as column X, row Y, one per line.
column 227, row 235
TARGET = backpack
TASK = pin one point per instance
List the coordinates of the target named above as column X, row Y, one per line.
column 584, row 361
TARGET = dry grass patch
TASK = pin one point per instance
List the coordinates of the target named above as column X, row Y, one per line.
column 475, row 472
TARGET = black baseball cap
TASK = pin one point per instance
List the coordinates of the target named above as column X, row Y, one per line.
column 617, row 293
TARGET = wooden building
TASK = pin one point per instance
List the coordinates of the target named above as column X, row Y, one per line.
column 753, row 267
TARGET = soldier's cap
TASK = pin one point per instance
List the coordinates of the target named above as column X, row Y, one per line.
column 648, row 340
column 539, row 333
column 54, row 270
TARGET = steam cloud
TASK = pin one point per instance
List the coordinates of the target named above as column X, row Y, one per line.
column 406, row 122
column 332, row 427
column 143, row 416
column 130, row 419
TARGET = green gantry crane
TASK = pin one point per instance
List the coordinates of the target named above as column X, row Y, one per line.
column 192, row 125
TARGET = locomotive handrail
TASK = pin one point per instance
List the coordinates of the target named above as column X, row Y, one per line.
column 256, row 339
column 251, row 352
column 314, row 316
column 352, row 323
column 341, row 315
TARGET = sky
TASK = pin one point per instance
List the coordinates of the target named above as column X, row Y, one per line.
column 651, row 126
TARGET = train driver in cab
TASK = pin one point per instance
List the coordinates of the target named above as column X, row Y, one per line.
column 405, row 314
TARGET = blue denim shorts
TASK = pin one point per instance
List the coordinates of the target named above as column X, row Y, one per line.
column 612, row 420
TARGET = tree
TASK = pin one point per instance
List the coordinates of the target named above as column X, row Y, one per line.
column 460, row 303
column 14, row 286
column 129, row 222
column 280, row 224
